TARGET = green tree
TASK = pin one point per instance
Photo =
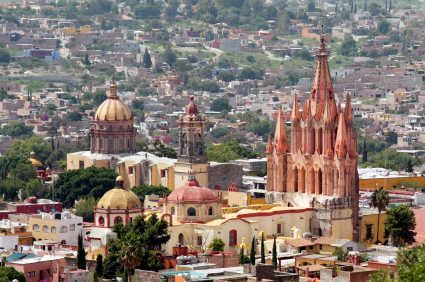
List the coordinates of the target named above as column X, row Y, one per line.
column 274, row 253
column 241, row 256
column 380, row 200
column 5, row 56
column 38, row 145
column 169, row 56
column 311, row 6
column 130, row 253
column 81, row 254
column 143, row 190
column 391, row 138
column 216, row 245
column 17, row 129
column 219, row 132
column 77, row 183
column 8, row 274
column 400, row 222
column 98, row 97
column 249, row 73
column 410, row 264
column 364, row 152
column 252, row 253
column 373, row 8
column 229, row 151
column 383, row 27
column 263, row 255
column 9, row 187
column 98, row 269
column 348, row 46
column 24, row 171
column 226, row 76
column 147, row 62
column 74, row 116
column 138, row 104
column 85, row 209
column 340, row 254
column 220, row 104
column 146, row 11
column 35, row 188
column 86, row 59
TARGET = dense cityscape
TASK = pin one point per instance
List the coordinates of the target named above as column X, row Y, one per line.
column 211, row 140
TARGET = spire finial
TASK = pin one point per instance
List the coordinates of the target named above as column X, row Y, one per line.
column 113, row 79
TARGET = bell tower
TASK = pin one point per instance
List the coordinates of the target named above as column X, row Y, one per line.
column 191, row 153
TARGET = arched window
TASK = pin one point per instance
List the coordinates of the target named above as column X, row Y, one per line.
column 191, row 212
column 63, row 242
column 118, row 219
column 233, row 236
column 128, row 126
column 101, row 127
column 173, row 211
column 101, row 221
column 120, row 127
column 63, row 229
column 128, row 143
column 210, row 211
column 181, row 239
column 95, row 126
column 120, row 144
column 111, row 143
column 36, row 227
column 45, row 228
column 54, row 229
column 111, row 128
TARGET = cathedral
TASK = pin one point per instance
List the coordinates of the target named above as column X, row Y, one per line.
column 318, row 167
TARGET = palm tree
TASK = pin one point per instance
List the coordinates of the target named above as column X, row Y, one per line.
column 380, row 200
column 130, row 253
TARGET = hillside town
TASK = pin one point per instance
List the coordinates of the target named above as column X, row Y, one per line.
column 211, row 140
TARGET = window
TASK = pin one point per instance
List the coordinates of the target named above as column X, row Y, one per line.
column 121, row 144
column 130, row 170
column 199, row 240
column 36, row 227
column 118, row 219
column 111, row 128
column 369, row 231
column 45, row 228
column 111, row 143
column 63, row 229
column 386, row 233
column 232, row 237
column 120, row 127
column 128, row 143
column 191, row 212
column 101, row 221
column 101, row 143
column 173, row 211
column 81, row 164
column 320, row 247
column 54, row 229
column 38, row 211
column 72, row 227
column 101, row 127
column 350, row 249
column 128, row 126
column 162, row 173
column 210, row 211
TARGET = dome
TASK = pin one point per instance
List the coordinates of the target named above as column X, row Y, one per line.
column 262, row 233
column 112, row 109
column 191, row 108
column 119, row 199
column 192, row 192
column 35, row 162
column 119, row 178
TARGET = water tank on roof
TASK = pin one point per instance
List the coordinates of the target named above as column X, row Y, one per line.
column 66, row 214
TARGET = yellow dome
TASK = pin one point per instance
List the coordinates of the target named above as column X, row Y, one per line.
column 112, row 109
column 35, row 162
column 119, row 199
column 262, row 233
column 119, row 178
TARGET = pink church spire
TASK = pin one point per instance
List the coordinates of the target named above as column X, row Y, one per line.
column 280, row 143
column 341, row 143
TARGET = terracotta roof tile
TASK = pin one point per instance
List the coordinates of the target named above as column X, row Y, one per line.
column 325, row 241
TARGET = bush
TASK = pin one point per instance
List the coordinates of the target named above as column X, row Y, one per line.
column 409, row 184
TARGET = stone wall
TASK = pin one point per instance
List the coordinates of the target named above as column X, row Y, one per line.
column 150, row 276
column 72, row 263
column 224, row 175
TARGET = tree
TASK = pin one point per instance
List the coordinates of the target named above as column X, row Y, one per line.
column 86, row 59
column 98, row 97
column 226, row 76
column 348, row 46
column 382, row 275
column 380, row 200
column 241, row 256
column 220, row 104
column 4, row 55
column 311, row 6
column 400, row 222
column 8, row 274
column 85, row 209
column 144, row 11
column 24, row 171
column 38, row 145
column 216, row 245
column 364, row 151
column 340, row 254
column 355, row 8
column 383, row 27
column 410, row 264
column 143, row 190
column 35, row 188
column 409, row 166
column 169, row 56
column 365, row 6
column 147, row 59
column 17, row 129
column 373, row 8
column 229, row 151
column 391, row 138
column 130, row 253
column 252, row 253
column 91, row 182
column 74, row 116
column 10, row 186
column 274, row 253
column 219, row 132
column 263, row 256
column 98, row 270
column 138, row 104
column 249, row 73
column 81, row 254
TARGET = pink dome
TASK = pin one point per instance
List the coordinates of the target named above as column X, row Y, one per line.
column 192, row 192
column 191, row 108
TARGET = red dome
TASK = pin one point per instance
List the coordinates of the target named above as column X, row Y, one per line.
column 191, row 108
column 192, row 192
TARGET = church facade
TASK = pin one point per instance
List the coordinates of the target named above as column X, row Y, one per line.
column 319, row 166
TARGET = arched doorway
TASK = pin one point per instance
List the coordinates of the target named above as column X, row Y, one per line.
column 320, row 232
column 181, row 239
column 313, row 140
column 303, row 180
column 304, row 140
column 296, row 180
column 319, row 182
column 312, row 181
column 320, row 141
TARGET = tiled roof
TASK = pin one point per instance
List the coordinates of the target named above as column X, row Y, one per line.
column 325, row 241
column 300, row 242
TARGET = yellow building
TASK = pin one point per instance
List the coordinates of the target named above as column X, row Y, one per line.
column 369, row 226
column 388, row 183
column 73, row 31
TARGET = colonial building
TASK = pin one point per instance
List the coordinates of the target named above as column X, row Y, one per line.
column 319, row 168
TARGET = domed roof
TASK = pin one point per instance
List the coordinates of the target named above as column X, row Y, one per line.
column 35, row 162
column 191, row 108
column 112, row 109
column 192, row 192
column 119, row 198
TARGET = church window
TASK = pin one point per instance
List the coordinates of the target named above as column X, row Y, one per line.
column 120, row 127
column 101, row 143
column 111, row 143
column 232, row 237
column 118, row 219
column 101, row 127
column 121, row 144
column 191, row 212
column 110, row 128
column 128, row 126
column 101, row 221
column 128, row 143
column 210, row 211
column 173, row 210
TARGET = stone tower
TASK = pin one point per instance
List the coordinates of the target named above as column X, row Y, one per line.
column 319, row 168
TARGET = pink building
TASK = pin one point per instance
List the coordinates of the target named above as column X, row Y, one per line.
column 40, row 268
column 420, row 225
